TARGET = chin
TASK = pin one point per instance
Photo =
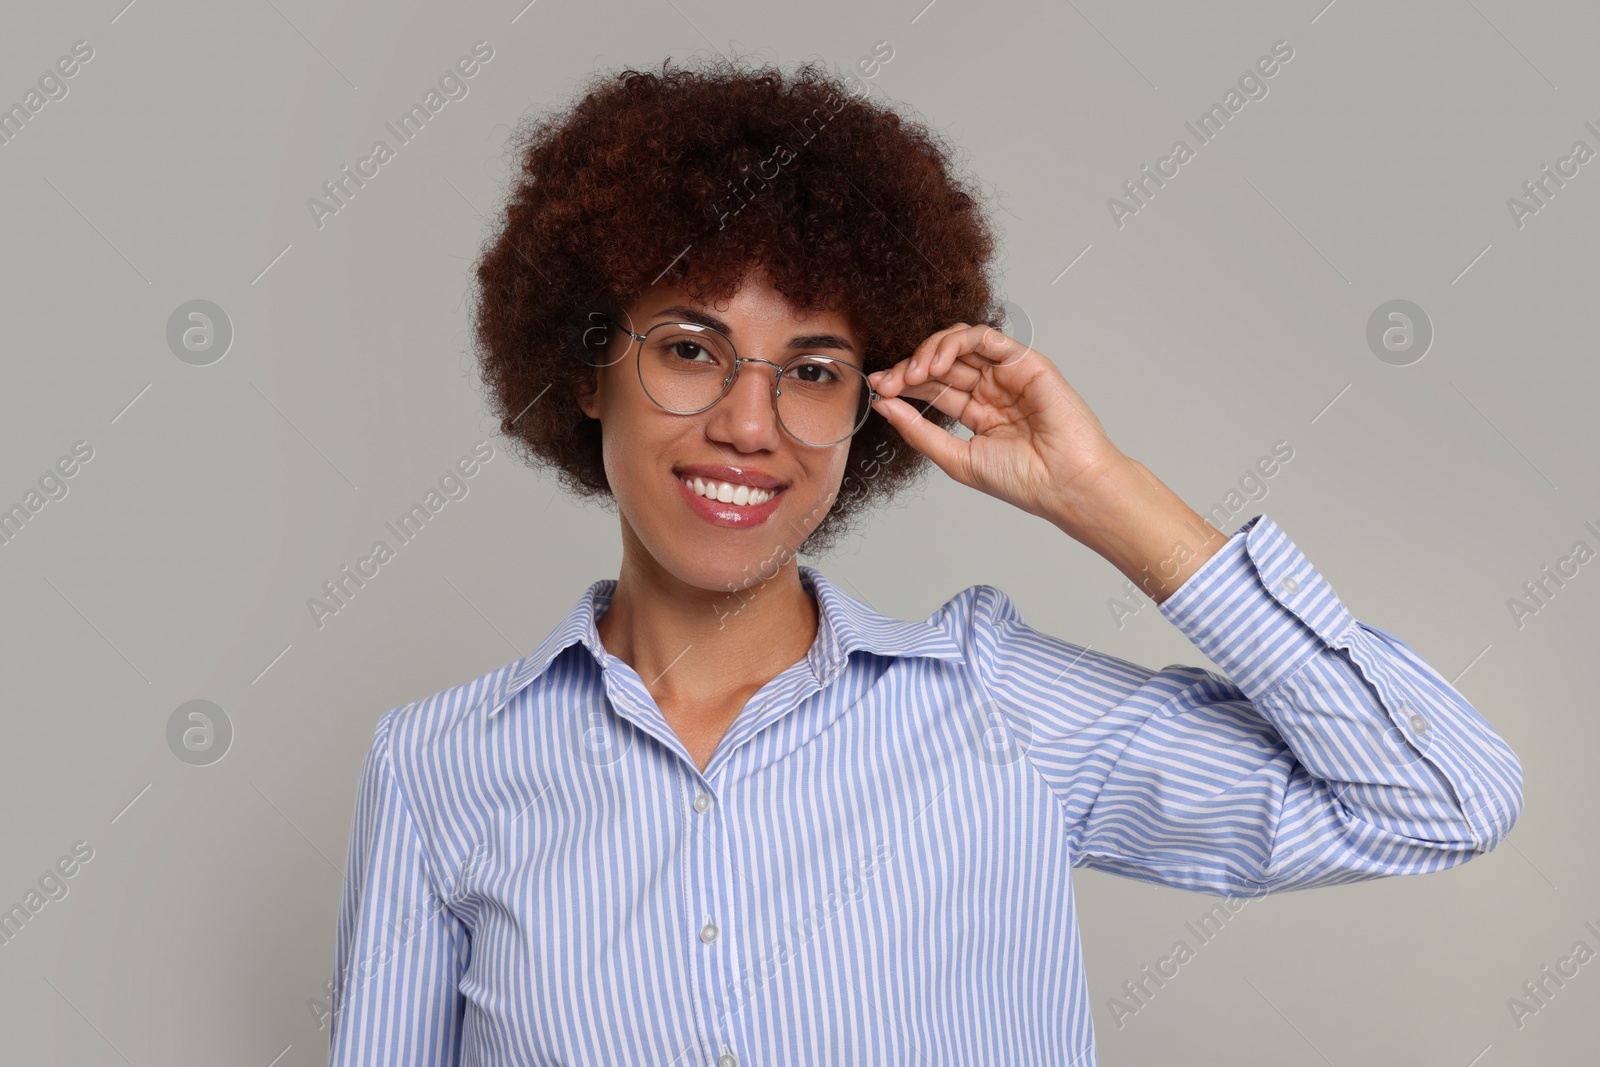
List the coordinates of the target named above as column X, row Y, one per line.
column 744, row 572
column 727, row 568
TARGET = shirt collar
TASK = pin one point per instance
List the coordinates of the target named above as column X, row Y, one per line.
column 845, row 624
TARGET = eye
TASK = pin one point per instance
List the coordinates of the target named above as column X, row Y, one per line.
column 678, row 348
column 815, row 372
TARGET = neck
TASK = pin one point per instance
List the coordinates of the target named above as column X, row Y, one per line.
column 689, row 643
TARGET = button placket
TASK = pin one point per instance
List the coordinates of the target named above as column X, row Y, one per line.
column 707, row 883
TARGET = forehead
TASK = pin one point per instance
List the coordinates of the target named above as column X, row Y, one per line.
column 755, row 304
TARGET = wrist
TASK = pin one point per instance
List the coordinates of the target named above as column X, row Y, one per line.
column 1142, row 528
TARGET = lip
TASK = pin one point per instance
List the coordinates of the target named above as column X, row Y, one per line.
column 730, row 515
column 737, row 475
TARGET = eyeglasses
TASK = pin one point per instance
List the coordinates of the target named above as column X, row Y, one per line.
column 686, row 368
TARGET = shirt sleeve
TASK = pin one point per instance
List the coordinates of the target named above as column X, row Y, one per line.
column 1330, row 753
column 400, row 950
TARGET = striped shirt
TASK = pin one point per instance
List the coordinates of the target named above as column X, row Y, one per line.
column 875, row 865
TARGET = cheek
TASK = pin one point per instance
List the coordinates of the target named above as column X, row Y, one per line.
column 636, row 440
column 628, row 452
column 826, row 488
column 834, row 478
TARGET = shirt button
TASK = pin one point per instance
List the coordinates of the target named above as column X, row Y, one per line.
column 1291, row 585
column 727, row 1059
column 1419, row 724
column 702, row 803
column 708, row 933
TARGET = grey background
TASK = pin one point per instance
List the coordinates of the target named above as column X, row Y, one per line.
column 1228, row 314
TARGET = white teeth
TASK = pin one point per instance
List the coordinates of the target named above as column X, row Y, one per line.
column 728, row 492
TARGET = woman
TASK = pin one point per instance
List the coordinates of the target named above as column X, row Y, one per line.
column 727, row 814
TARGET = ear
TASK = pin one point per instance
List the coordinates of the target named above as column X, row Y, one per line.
column 589, row 402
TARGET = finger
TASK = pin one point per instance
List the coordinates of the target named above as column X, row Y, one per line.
column 922, row 355
column 941, row 446
column 963, row 372
column 942, row 396
column 956, row 366
column 941, row 353
column 1013, row 366
column 989, row 342
column 999, row 347
column 950, row 348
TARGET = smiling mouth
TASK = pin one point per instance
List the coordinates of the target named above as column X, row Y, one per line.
column 728, row 492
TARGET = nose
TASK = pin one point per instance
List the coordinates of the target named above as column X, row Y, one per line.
column 745, row 418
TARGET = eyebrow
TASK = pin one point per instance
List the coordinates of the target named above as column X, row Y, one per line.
column 810, row 340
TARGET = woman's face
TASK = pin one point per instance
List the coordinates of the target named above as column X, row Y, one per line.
column 649, row 452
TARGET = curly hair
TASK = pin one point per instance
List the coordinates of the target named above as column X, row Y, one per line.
column 691, row 178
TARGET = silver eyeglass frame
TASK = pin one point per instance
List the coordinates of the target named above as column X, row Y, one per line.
column 739, row 361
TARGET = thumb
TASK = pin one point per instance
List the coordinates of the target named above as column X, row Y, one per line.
column 938, row 444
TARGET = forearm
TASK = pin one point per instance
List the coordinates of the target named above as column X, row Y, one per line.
column 1418, row 778
column 1142, row 527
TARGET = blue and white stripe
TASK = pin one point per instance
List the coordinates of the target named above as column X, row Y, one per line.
column 875, row 866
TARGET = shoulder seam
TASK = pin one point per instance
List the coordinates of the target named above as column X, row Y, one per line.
column 386, row 758
column 982, row 671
